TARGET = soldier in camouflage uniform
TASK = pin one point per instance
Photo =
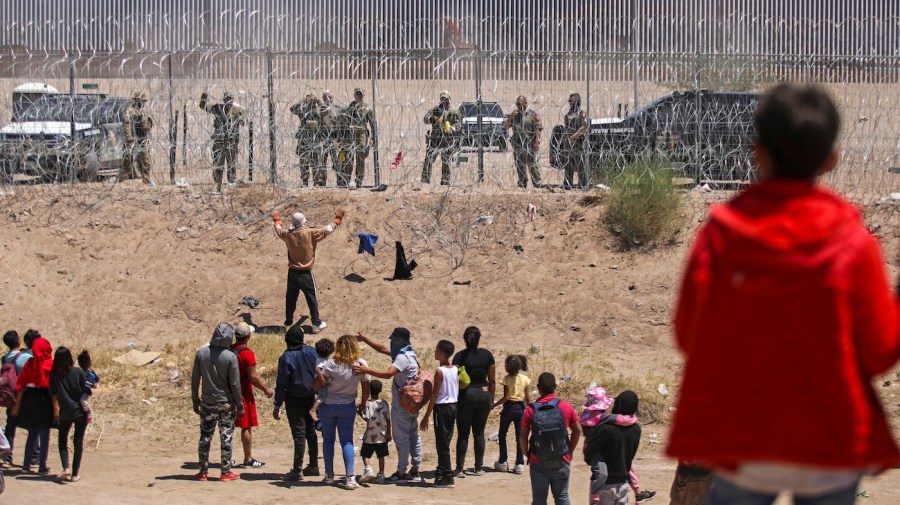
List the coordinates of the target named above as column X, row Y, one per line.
column 575, row 124
column 341, row 140
column 362, row 132
column 331, row 114
column 216, row 394
column 227, row 123
column 526, row 141
column 136, row 127
column 310, row 140
column 443, row 139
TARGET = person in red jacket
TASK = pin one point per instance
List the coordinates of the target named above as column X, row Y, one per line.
column 785, row 316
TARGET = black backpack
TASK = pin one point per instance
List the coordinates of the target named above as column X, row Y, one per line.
column 549, row 436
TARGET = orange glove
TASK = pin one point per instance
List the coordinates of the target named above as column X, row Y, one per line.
column 339, row 217
column 276, row 217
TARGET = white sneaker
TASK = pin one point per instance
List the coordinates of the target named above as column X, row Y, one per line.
column 501, row 467
column 520, row 469
column 367, row 476
column 316, row 328
column 65, row 476
column 349, row 483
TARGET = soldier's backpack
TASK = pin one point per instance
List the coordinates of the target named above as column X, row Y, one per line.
column 549, row 438
column 8, row 378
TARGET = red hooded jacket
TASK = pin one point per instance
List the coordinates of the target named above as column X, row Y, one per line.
column 784, row 317
column 36, row 371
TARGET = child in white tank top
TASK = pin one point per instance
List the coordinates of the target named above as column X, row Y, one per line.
column 443, row 405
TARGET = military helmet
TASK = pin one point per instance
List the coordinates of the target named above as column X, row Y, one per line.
column 139, row 96
column 228, row 95
column 358, row 91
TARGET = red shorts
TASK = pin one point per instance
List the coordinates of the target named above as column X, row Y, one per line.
column 248, row 420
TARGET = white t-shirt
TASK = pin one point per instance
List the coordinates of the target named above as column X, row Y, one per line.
column 449, row 392
column 408, row 366
column 769, row 478
column 342, row 382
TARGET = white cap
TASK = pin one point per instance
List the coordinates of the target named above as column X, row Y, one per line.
column 298, row 219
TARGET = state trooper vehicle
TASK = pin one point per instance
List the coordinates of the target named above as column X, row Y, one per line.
column 492, row 133
column 64, row 138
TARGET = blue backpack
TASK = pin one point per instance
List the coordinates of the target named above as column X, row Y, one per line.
column 549, row 436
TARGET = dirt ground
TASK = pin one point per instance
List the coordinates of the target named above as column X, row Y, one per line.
column 102, row 266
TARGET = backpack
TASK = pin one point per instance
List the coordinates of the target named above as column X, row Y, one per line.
column 417, row 391
column 549, row 436
column 8, row 378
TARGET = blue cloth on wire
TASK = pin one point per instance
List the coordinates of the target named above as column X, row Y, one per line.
column 367, row 243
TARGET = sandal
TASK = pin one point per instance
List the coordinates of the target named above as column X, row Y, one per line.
column 254, row 463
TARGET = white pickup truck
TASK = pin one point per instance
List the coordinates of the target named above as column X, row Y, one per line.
column 64, row 138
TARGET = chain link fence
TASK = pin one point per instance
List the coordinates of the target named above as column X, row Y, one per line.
column 638, row 70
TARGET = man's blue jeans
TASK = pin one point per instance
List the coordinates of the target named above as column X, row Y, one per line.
column 553, row 477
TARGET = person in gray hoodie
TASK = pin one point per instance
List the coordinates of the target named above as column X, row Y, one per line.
column 216, row 393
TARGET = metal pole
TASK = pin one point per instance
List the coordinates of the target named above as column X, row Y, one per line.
column 273, row 160
column 374, row 70
column 184, row 119
column 479, row 138
column 635, row 62
column 250, row 145
column 72, row 97
column 173, row 126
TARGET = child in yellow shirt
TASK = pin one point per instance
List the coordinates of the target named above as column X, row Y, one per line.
column 515, row 397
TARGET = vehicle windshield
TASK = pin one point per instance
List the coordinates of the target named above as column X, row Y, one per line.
column 644, row 109
column 60, row 108
column 469, row 109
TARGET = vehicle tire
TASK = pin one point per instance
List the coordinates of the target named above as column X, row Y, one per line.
column 6, row 171
column 91, row 170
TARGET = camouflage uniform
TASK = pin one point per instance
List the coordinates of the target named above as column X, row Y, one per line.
column 210, row 416
column 136, row 128
column 226, row 136
column 526, row 134
column 362, row 125
column 310, row 140
column 573, row 152
column 334, row 138
column 443, row 139
column 342, row 145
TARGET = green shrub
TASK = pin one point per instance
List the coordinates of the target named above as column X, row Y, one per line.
column 646, row 206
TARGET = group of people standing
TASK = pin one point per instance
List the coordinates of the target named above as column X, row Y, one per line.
column 348, row 134
column 48, row 391
column 328, row 130
column 328, row 385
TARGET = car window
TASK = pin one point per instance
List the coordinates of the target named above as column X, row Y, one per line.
column 468, row 109
column 60, row 108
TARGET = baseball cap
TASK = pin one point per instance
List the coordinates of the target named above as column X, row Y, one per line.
column 243, row 329
column 445, row 94
column 400, row 334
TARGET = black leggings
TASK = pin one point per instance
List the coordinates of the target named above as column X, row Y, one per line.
column 78, row 441
column 472, row 415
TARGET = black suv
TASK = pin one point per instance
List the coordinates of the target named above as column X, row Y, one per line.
column 710, row 133
column 492, row 132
